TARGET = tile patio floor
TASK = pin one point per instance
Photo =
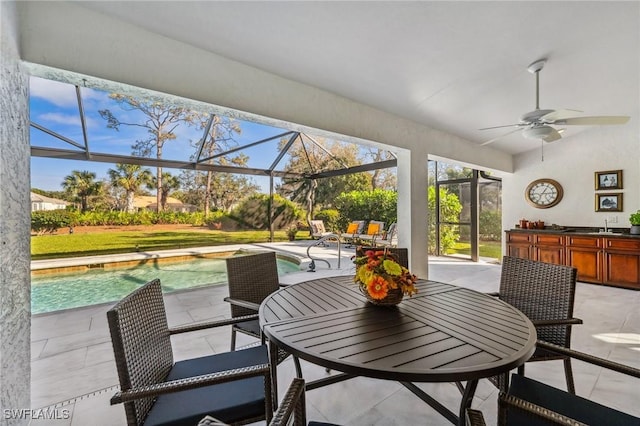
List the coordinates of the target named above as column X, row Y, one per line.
column 72, row 358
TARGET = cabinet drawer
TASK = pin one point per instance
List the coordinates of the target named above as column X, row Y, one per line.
column 549, row 240
column 622, row 244
column 518, row 237
column 583, row 241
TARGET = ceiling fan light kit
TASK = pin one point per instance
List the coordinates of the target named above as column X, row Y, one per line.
column 536, row 124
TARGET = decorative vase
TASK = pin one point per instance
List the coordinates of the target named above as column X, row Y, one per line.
column 635, row 230
column 393, row 297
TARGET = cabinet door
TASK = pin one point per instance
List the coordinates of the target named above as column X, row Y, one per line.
column 622, row 269
column 549, row 254
column 519, row 250
column 588, row 261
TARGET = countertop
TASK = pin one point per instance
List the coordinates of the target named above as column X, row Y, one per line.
column 592, row 232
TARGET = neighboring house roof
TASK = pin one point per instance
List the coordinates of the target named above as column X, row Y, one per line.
column 37, row 198
column 143, row 201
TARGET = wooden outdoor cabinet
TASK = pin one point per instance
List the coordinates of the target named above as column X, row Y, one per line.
column 519, row 245
column 609, row 260
column 549, row 248
column 584, row 254
column 622, row 262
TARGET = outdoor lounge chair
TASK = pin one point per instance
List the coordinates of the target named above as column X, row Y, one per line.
column 354, row 228
column 545, row 293
column 318, row 230
column 389, row 238
column 233, row 386
column 375, row 230
column 530, row 402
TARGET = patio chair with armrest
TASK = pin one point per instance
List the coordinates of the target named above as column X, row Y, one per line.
column 545, row 293
column 251, row 279
column 375, row 230
column 530, row 402
column 354, row 228
column 234, row 387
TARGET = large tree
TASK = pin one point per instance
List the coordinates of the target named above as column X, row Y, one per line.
column 158, row 119
column 310, row 156
column 130, row 178
column 222, row 190
column 80, row 185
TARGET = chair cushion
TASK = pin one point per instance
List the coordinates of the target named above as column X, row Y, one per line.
column 352, row 228
column 373, row 228
column 228, row 402
column 562, row 402
column 250, row 327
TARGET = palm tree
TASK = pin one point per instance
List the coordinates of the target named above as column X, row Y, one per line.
column 129, row 177
column 81, row 185
column 169, row 183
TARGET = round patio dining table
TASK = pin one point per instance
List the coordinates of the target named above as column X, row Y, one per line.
column 444, row 333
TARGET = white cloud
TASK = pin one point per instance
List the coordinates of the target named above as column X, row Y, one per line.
column 56, row 117
column 59, row 94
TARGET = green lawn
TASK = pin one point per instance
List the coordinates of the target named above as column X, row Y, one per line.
column 491, row 249
column 73, row 245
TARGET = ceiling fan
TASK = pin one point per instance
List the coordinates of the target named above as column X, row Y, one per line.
column 537, row 123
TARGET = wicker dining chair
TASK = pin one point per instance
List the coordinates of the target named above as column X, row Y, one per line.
column 545, row 293
column 251, row 279
column 531, row 402
column 233, row 386
column 401, row 254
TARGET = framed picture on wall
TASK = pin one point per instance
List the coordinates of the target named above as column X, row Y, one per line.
column 609, row 202
column 611, row 179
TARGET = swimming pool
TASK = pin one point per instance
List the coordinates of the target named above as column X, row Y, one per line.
column 53, row 292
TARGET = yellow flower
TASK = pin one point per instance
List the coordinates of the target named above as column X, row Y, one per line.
column 391, row 267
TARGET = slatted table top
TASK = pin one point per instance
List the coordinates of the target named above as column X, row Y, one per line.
column 444, row 333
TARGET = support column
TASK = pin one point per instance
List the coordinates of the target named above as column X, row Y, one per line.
column 15, row 281
column 413, row 210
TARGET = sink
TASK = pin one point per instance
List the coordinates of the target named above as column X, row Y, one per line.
column 601, row 233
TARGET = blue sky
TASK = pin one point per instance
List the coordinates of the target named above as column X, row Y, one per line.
column 54, row 106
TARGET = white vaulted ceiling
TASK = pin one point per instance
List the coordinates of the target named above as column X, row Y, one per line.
column 455, row 66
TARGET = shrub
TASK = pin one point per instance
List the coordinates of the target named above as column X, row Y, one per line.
column 490, row 225
column 49, row 221
column 331, row 218
column 253, row 212
column 450, row 208
column 378, row 204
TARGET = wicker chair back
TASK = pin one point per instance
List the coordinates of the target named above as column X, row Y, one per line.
column 542, row 291
column 141, row 343
column 251, row 278
column 401, row 254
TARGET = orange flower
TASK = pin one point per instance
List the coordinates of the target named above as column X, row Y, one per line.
column 378, row 288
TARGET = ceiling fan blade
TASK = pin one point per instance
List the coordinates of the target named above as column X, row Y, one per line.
column 553, row 136
column 559, row 114
column 499, row 137
column 593, row 121
column 500, row 127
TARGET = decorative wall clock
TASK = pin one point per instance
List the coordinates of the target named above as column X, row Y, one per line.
column 543, row 193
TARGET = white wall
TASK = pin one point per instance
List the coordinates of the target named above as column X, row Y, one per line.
column 572, row 162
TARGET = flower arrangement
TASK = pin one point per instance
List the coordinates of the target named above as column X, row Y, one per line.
column 378, row 272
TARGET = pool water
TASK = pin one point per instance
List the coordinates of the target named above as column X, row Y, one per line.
column 72, row 290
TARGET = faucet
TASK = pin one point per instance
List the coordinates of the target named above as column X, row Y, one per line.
column 606, row 227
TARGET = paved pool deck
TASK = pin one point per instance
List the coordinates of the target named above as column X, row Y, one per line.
column 73, row 367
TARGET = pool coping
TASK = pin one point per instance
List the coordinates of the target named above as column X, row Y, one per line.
column 71, row 262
